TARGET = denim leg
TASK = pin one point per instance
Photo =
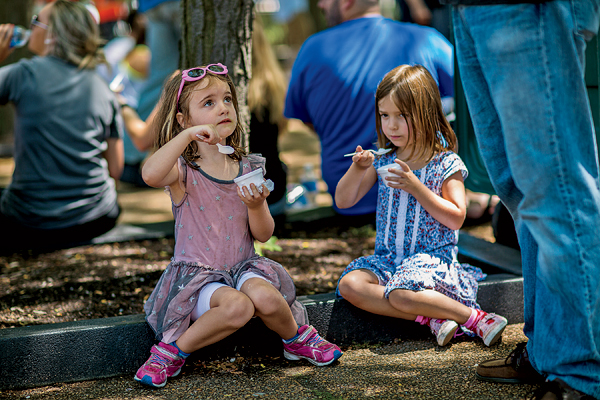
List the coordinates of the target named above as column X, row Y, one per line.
column 522, row 70
column 163, row 33
column 491, row 145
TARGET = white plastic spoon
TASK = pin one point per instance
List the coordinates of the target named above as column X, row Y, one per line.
column 225, row 149
column 378, row 152
column 222, row 149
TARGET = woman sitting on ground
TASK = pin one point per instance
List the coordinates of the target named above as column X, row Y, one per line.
column 68, row 147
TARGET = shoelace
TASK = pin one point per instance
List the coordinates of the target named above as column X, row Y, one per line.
column 315, row 340
column 156, row 359
column 517, row 355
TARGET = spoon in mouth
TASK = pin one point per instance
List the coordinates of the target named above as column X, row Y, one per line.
column 225, row 149
column 378, row 152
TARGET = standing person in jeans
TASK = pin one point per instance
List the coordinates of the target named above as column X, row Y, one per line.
column 522, row 67
column 336, row 73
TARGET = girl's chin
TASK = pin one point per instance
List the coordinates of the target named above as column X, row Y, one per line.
column 225, row 129
column 398, row 142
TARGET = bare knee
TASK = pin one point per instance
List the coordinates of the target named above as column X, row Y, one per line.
column 266, row 299
column 351, row 287
column 237, row 310
column 346, row 287
column 403, row 300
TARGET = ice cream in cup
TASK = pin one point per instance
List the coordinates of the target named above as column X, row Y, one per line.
column 256, row 177
column 384, row 172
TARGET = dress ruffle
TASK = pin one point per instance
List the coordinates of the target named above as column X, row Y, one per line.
column 169, row 307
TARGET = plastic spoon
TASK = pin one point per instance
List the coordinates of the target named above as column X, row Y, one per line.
column 378, row 152
column 225, row 149
column 222, row 149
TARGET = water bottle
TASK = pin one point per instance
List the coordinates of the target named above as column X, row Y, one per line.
column 20, row 36
column 295, row 197
column 309, row 181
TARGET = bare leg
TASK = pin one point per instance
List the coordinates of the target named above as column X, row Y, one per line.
column 429, row 303
column 229, row 311
column 361, row 288
column 479, row 203
column 270, row 307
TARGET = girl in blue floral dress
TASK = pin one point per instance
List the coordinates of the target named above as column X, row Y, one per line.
column 414, row 273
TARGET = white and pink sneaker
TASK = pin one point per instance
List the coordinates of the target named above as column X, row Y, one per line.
column 443, row 329
column 490, row 328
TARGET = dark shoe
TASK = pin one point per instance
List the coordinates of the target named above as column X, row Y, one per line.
column 515, row 368
column 559, row 390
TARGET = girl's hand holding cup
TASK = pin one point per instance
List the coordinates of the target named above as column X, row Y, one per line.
column 404, row 178
column 257, row 198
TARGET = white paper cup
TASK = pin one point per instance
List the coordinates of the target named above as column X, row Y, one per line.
column 255, row 177
column 383, row 172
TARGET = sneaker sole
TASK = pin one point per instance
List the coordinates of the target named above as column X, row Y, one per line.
column 147, row 380
column 493, row 336
column 293, row 357
column 449, row 336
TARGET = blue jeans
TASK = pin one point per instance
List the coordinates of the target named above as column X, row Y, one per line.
column 163, row 33
column 522, row 69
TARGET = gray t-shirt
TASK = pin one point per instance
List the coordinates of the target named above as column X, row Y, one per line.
column 64, row 116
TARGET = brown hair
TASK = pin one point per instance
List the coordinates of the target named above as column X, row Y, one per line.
column 414, row 91
column 267, row 88
column 166, row 117
column 76, row 34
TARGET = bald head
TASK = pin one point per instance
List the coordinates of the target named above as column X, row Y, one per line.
column 338, row 11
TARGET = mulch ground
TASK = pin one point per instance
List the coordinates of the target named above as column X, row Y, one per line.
column 115, row 279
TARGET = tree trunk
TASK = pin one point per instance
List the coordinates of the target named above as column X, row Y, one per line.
column 215, row 31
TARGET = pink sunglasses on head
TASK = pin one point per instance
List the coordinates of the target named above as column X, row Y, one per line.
column 195, row 74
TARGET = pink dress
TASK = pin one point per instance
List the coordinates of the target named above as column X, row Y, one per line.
column 213, row 243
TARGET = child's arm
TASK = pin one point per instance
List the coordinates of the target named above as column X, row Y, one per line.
column 357, row 181
column 450, row 209
column 114, row 155
column 141, row 133
column 161, row 168
column 259, row 217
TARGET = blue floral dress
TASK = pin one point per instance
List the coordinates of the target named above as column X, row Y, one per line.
column 413, row 251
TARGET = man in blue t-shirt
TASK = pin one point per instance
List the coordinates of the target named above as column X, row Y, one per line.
column 335, row 75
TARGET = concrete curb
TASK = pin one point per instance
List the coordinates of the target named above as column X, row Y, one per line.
column 91, row 349
column 83, row 350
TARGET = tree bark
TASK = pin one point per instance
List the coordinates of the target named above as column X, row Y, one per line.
column 215, row 31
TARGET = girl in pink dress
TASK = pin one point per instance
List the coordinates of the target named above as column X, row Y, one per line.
column 414, row 273
column 215, row 282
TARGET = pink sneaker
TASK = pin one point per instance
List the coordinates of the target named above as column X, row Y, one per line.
column 163, row 363
column 311, row 347
column 490, row 328
column 443, row 329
